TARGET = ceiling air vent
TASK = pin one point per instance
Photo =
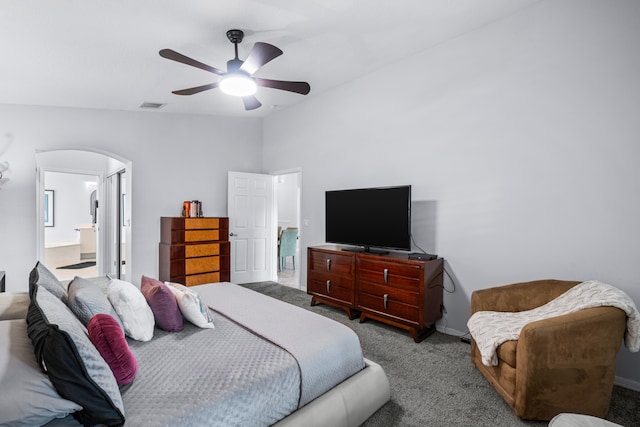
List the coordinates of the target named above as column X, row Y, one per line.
column 152, row 105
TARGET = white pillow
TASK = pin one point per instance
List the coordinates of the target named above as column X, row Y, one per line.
column 191, row 306
column 131, row 306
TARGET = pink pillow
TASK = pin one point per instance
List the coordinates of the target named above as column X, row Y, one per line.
column 163, row 304
column 106, row 334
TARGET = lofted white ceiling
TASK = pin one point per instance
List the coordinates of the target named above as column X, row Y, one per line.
column 104, row 53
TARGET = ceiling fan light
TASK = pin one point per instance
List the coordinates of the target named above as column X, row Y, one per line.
column 238, row 85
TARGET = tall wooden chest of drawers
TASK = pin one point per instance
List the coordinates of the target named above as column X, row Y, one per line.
column 194, row 251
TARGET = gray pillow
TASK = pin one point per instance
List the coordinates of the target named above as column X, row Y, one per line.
column 74, row 365
column 13, row 305
column 40, row 275
column 28, row 397
column 86, row 299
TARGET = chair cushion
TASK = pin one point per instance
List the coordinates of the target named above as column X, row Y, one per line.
column 507, row 352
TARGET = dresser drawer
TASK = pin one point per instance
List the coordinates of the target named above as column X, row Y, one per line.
column 199, row 279
column 404, row 276
column 395, row 294
column 334, row 263
column 337, row 280
column 200, row 223
column 198, row 250
column 328, row 288
column 394, row 308
column 201, row 235
column 201, row 265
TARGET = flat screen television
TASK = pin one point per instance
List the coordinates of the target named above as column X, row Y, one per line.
column 369, row 218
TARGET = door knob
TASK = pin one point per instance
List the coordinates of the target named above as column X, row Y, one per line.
column 232, row 234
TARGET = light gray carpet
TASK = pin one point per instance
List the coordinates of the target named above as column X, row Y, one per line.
column 433, row 383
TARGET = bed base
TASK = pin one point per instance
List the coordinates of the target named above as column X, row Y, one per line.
column 349, row 404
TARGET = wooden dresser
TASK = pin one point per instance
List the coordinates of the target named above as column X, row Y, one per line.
column 194, row 251
column 389, row 288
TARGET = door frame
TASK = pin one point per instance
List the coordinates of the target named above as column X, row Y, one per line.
column 104, row 245
column 302, row 262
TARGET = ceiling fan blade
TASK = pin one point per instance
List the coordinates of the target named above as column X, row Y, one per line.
column 297, row 87
column 197, row 89
column 251, row 102
column 178, row 57
column 260, row 54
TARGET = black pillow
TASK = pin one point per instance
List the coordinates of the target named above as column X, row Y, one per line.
column 60, row 343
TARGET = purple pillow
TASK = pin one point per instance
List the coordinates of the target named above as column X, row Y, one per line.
column 163, row 304
column 106, row 334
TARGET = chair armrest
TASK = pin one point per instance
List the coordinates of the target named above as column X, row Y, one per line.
column 519, row 296
column 576, row 350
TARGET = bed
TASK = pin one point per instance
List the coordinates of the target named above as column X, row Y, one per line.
column 265, row 362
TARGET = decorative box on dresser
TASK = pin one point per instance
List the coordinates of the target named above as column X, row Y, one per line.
column 389, row 288
column 194, row 251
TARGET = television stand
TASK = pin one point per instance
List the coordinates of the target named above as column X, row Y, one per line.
column 392, row 289
column 366, row 249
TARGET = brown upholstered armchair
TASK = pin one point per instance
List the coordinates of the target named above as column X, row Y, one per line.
column 560, row 364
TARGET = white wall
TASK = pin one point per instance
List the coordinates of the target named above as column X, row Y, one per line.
column 288, row 193
column 71, row 206
column 174, row 158
column 520, row 140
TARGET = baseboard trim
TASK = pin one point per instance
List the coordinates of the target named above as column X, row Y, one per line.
column 627, row 383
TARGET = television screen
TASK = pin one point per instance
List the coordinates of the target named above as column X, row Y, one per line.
column 369, row 217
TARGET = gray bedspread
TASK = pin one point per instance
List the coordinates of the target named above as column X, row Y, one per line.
column 326, row 351
column 231, row 375
column 225, row 376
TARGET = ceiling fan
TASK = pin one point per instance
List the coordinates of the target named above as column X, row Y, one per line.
column 238, row 80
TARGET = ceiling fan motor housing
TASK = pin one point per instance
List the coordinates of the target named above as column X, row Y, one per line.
column 233, row 66
column 235, row 36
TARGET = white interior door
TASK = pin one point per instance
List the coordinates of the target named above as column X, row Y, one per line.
column 251, row 226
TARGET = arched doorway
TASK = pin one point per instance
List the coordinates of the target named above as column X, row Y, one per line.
column 104, row 214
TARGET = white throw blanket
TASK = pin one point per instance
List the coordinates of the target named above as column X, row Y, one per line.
column 489, row 329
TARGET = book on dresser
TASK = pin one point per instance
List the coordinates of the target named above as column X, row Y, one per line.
column 388, row 288
column 193, row 251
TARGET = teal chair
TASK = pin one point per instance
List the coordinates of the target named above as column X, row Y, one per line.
column 288, row 243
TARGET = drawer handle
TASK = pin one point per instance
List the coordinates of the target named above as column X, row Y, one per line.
column 328, row 286
column 328, row 264
column 385, row 300
column 386, row 276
